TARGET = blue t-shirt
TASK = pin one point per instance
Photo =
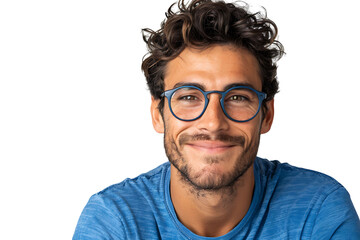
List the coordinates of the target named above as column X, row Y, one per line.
column 288, row 203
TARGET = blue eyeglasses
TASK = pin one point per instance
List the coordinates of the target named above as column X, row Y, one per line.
column 239, row 104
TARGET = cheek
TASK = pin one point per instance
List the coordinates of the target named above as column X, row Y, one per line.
column 173, row 126
column 250, row 130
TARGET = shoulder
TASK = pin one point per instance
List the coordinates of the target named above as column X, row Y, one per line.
column 289, row 189
column 307, row 202
column 132, row 193
column 120, row 209
column 288, row 177
column 150, row 181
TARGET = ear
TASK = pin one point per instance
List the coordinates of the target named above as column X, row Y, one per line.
column 157, row 119
column 268, row 118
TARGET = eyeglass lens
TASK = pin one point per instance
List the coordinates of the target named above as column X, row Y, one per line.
column 240, row 104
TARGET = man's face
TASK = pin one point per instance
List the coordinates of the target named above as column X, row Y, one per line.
column 213, row 151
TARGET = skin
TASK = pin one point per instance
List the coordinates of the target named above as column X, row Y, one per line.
column 212, row 179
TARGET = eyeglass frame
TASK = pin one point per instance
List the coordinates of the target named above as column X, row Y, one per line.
column 169, row 93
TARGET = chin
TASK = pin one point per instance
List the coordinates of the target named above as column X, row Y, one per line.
column 212, row 174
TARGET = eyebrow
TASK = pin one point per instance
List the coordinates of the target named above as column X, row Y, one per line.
column 181, row 84
column 202, row 87
column 238, row 85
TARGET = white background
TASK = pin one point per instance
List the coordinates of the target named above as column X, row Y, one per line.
column 74, row 106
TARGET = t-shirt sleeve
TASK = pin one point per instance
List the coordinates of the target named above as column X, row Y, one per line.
column 337, row 218
column 98, row 222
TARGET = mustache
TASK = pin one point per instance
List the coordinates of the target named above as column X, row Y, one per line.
column 234, row 140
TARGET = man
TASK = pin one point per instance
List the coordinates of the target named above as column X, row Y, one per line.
column 211, row 71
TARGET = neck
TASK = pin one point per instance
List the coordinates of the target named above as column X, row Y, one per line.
column 211, row 213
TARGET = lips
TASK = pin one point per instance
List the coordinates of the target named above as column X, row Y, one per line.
column 210, row 146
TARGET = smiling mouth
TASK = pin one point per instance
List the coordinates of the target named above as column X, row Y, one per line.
column 211, row 146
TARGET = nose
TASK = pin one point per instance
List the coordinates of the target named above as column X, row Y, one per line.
column 213, row 119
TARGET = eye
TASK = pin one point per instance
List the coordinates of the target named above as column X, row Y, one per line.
column 188, row 98
column 238, row 98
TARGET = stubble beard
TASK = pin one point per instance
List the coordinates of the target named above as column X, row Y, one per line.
column 212, row 182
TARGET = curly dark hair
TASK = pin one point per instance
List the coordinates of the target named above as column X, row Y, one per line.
column 205, row 23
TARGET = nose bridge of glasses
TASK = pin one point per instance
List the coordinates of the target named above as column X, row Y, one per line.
column 220, row 95
column 210, row 92
column 217, row 103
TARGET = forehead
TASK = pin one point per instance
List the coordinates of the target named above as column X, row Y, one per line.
column 214, row 68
